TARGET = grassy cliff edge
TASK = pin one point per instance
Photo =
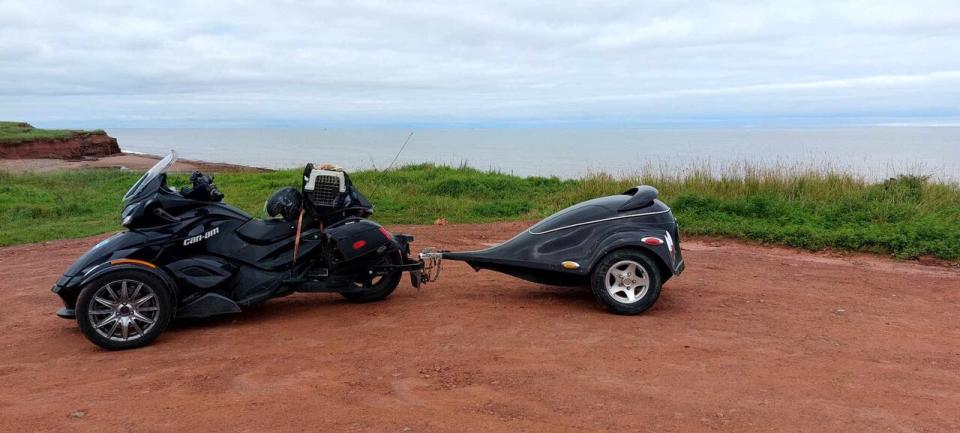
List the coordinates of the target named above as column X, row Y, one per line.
column 19, row 132
column 907, row 216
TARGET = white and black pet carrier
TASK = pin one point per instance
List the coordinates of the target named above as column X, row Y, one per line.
column 328, row 192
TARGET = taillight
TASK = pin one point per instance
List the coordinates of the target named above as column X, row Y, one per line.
column 653, row 241
column 359, row 244
column 387, row 234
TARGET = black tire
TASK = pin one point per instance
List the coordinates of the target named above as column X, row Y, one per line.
column 381, row 288
column 619, row 302
column 158, row 309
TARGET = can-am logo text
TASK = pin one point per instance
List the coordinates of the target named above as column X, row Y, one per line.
column 194, row 239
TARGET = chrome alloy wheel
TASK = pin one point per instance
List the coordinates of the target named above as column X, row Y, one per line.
column 627, row 281
column 124, row 310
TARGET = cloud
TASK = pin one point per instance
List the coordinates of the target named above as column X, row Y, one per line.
column 325, row 62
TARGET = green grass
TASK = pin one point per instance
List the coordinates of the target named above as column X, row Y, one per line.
column 18, row 132
column 810, row 208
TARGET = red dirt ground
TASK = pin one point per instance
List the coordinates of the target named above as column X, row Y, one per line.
column 749, row 339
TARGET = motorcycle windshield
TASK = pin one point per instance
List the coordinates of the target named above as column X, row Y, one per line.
column 151, row 175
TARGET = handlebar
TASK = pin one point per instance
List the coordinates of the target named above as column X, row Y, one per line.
column 203, row 188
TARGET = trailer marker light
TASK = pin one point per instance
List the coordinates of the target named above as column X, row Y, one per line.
column 359, row 244
column 650, row 240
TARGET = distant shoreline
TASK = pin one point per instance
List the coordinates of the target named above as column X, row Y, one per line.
column 123, row 161
column 873, row 153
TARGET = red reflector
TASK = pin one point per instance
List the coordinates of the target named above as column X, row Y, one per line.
column 359, row 244
column 652, row 241
column 386, row 233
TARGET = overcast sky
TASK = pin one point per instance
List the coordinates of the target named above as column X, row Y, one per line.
column 215, row 63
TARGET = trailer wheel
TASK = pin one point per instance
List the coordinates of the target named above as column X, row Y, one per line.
column 626, row 282
column 378, row 288
column 124, row 309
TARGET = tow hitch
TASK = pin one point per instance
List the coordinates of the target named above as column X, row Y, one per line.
column 431, row 259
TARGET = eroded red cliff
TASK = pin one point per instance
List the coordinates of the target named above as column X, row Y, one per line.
column 77, row 145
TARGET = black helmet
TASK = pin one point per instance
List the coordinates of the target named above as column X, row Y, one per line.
column 285, row 202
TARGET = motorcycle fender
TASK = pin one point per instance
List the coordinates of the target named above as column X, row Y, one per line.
column 95, row 261
column 118, row 246
column 117, row 265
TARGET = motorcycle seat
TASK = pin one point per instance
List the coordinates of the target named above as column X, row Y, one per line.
column 263, row 232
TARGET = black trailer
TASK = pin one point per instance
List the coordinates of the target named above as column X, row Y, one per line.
column 624, row 246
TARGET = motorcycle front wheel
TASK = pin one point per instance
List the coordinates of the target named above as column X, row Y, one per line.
column 124, row 309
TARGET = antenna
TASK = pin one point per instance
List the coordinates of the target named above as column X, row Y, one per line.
column 404, row 146
column 401, row 151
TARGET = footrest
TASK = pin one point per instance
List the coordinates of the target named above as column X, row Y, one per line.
column 67, row 313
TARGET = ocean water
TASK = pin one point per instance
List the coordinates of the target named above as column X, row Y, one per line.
column 874, row 152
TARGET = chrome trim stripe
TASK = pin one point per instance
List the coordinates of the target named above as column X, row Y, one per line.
column 597, row 221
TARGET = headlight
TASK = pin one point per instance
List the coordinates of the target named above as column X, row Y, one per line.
column 126, row 217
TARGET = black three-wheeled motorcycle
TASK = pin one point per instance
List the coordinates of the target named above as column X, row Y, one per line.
column 187, row 254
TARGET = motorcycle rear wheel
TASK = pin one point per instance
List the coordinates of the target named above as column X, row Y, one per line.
column 378, row 288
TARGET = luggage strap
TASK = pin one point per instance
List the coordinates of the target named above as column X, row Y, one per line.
column 296, row 241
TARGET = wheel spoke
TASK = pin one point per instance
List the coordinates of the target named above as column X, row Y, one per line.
column 104, row 322
column 142, row 318
column 136, row 327
column 112, row 293
column 141, row 301
column 125, row 329
column 101, row 312
column 113, row 328
column 124, row 293
column 136, row 291
column 632, row 270
column 631, row 296
column 105, row 302
column 145, row 309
